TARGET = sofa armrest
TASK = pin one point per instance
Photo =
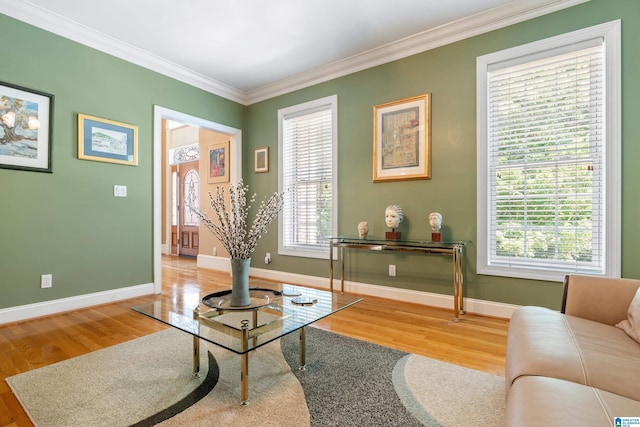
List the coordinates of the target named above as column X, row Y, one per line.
column 602, row 299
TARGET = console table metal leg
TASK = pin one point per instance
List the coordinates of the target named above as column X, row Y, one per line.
column 303, row 350
column 341, row 269
column 460, row 279
column 341, row 256
column 456, row 291
column 331, row 267
column 458, row 299
column 244, row 364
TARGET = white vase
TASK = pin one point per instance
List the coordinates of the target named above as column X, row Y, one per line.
column 240, row 282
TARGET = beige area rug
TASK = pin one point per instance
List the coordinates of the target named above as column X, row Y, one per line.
column 275, row 395
column 452, row 395
column 347, row 383
column 126, row 383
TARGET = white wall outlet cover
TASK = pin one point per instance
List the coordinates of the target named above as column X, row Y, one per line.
column 46, row 281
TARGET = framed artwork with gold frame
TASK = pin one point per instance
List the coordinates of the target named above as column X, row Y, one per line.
column 105, row 140
column 402, row 139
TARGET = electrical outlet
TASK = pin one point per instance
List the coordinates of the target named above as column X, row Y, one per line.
column 392, row 270
column 46, row 281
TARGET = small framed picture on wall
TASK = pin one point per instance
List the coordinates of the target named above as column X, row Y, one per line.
column 261, row 160
column 218, row 162
column 104, row 140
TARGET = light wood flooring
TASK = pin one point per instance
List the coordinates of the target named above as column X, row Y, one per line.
column 476, row 342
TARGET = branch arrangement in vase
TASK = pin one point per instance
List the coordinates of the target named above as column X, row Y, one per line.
column 231, row 227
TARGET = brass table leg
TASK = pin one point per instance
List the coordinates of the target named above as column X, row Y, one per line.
column 331, row 267
column 196, row 356
column 255, row 325
column 196, row 347
column 303, row 349
column 458, row 299
column 460, row 279
column 244, row 364
column 342, row 269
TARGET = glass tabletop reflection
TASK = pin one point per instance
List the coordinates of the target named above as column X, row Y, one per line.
column 274, row 313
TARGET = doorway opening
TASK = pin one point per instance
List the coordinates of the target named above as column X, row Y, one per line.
column 163, row 175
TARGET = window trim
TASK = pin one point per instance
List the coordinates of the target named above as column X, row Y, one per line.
column 299, row 109
column 610, row 32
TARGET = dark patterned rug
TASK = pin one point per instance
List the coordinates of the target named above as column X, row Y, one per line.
column 348, row 382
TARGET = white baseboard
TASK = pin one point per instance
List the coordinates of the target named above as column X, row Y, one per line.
column 22, row 312
column 471, row 305
column 214, row 263
column 485, row 308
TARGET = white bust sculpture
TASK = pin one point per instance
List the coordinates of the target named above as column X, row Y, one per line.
column 363, row 229
column 435, row 221
column 393, row 216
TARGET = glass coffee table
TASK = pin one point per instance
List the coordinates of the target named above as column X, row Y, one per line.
column 273, row 313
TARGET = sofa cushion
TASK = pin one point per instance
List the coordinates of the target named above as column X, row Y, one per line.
column 602, row 299
column 547, row 343
column 540, row 401
column 631, row 325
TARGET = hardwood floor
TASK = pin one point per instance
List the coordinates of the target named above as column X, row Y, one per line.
column 476, row 342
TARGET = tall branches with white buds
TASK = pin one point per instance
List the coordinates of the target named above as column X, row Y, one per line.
column 231, row 227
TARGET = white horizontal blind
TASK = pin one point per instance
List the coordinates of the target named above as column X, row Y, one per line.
column 307, row 178
column 546, row 166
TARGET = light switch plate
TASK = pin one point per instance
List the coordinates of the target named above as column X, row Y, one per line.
column 120, row 191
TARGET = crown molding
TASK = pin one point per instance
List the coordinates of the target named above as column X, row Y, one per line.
column 35, row 15
column 489, row 20
column 492, row 19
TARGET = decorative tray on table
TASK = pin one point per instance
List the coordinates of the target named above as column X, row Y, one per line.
column 260, row 297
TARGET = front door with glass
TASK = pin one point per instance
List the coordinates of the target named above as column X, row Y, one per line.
column 189, row 190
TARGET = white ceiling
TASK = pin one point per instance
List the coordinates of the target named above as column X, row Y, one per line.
column 248, row 50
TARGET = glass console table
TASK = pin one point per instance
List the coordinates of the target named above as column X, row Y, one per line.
column 273, row 314
column 453, row 249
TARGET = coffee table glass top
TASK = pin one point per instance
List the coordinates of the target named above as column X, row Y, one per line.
column 287, row 308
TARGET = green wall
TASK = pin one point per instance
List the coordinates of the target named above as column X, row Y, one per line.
column 449, row 74
column 68, row 223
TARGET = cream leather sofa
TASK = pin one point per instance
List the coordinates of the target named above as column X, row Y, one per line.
column 574, row 367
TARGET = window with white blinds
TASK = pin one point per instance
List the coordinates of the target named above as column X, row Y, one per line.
column 307, row 176
column 547, row 162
